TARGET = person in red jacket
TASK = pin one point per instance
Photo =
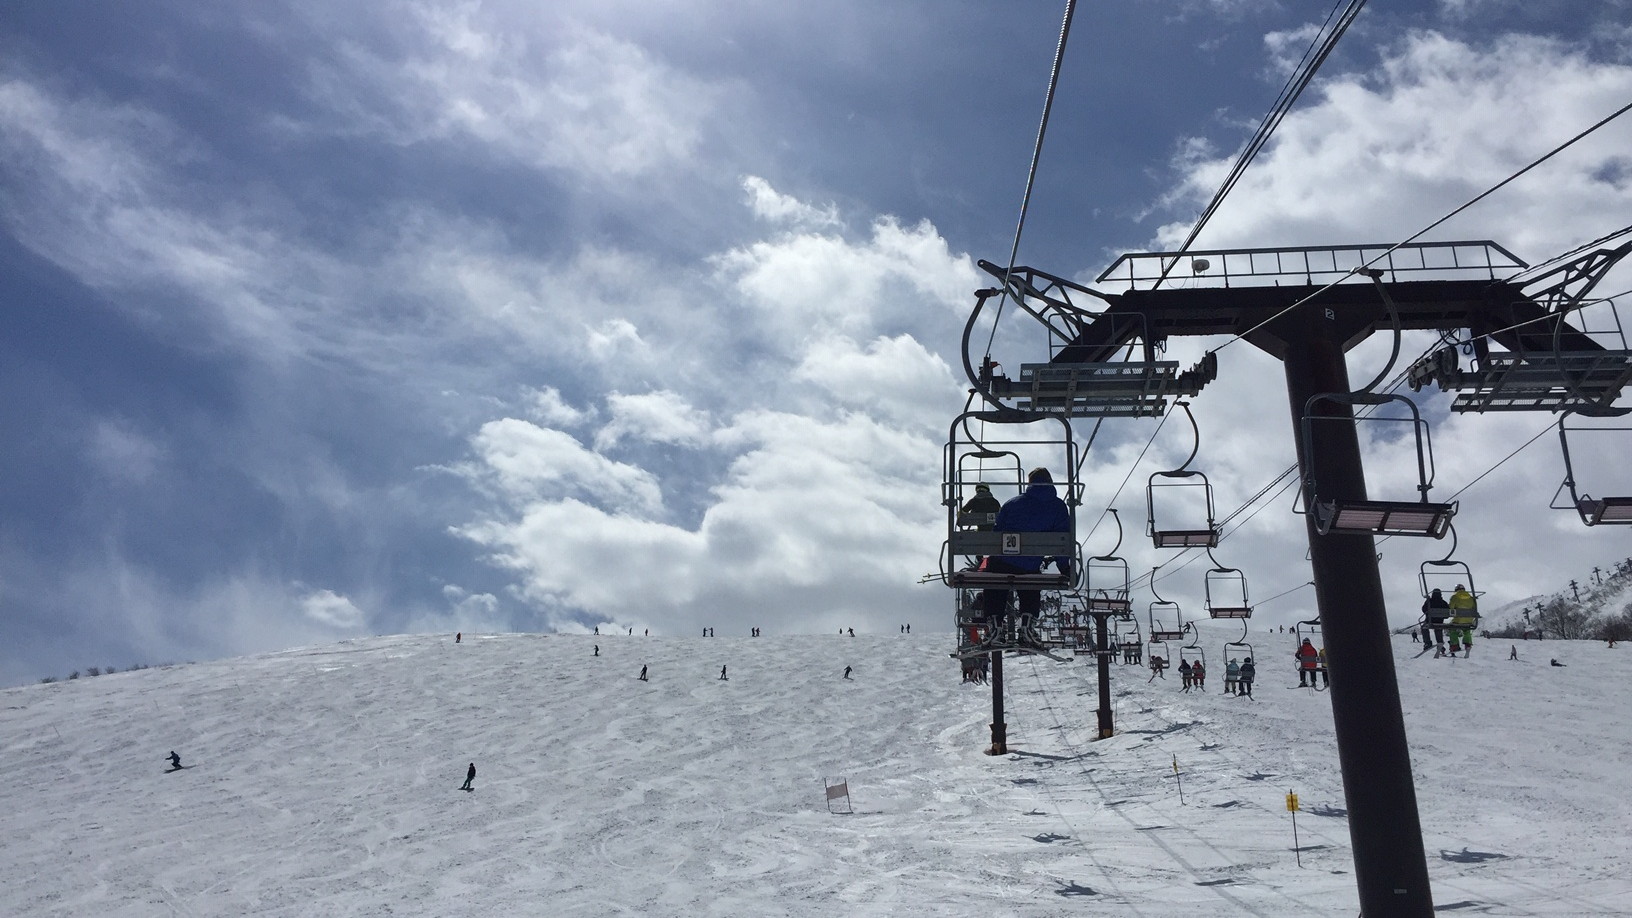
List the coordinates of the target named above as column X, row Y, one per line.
column 1308, row 659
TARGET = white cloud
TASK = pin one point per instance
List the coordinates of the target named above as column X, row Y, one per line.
column 526, row 461
column 894, row 378
column 654, row 417
column 123, row 451
column 546, row 93
column 770, row 205
column 1379, row 157
column 547, row 406
column 333, row 610
column 800, row 282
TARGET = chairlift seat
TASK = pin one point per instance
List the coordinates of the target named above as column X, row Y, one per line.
column 1544, row 381
column 1383, row 517
column 1185, row 538
column 1106, row 605
column 1121, row 388
column 1605, row 510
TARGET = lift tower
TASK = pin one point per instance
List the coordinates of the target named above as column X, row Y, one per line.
column 1307, row 307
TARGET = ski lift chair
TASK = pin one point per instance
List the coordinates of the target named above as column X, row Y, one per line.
column 1105, row 580
column 1335, row 514
column 1192, row 652
column 1129, row 640
column 1226, row 591
column 966, row 544
column 1594, row 511
column 1311, row 629
column 1241, row 646
column 1181, row 483
column 1445, row 574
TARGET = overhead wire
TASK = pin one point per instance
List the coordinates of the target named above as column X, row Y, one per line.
column 1425, row 230
column 1320, row 47
column 1031, row 172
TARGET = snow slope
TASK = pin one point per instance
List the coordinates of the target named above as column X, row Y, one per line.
column 324, row 781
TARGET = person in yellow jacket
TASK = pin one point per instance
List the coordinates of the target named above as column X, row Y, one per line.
column 1464, row 616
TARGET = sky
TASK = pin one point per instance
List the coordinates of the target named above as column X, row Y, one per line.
column 325, row 780
column 322, row 321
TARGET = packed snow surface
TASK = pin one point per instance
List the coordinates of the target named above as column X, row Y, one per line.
column 325, row 781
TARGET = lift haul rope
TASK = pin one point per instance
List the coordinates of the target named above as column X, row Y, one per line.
column 1031, row 173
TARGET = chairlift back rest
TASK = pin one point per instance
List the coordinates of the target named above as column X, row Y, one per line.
column 1229, row 612
column 986, row 542
column 1162, row 637
column 977, row 520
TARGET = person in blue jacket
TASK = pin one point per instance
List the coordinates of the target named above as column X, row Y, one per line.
column 1037, row 509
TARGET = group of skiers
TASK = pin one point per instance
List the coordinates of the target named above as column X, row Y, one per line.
column 1238, row 676
column 1450, row 622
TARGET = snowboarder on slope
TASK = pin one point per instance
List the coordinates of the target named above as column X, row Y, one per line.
column 847, row 672
column 469, row 777
column 643, row 672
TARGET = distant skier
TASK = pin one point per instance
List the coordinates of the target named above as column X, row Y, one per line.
column 1249, row 672
column 1413, row 635
column 1307, row 658
column 643, row 672
column 458, row 637
column 175, row 761
column 470, row 776
column 852, row 631
column 723, row 676
column 1512, row 651
column 1556, row 663
column 597, row 650
column 847, row 672
column 909, row 627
